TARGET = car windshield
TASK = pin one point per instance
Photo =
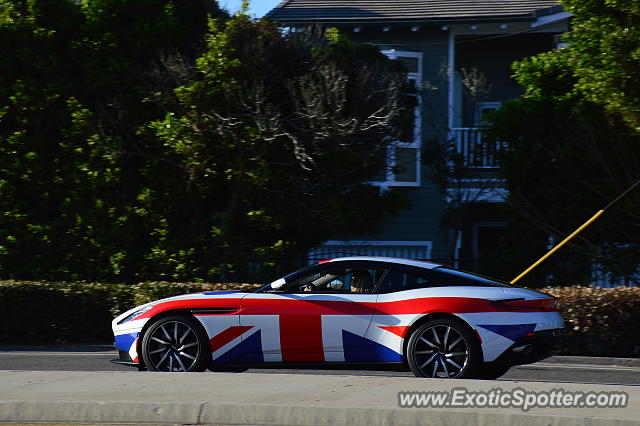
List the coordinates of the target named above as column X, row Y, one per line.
column 289, row 277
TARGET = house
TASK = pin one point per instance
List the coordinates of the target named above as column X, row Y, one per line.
column 458, row 53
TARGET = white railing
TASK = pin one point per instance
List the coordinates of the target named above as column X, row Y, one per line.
column 470, row 146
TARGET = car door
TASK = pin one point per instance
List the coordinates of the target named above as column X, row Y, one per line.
column 393, row 317
column 326, row 323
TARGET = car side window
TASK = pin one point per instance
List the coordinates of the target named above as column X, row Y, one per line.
column 450, row 277
column 356, row 280
column 398, row 280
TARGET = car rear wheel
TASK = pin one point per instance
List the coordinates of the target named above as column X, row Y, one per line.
column 176, row 343
column 444, row 349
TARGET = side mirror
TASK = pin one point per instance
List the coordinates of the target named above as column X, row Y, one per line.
column 278, row 284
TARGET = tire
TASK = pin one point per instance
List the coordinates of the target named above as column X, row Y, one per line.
column 176, row 343
column 444, row 348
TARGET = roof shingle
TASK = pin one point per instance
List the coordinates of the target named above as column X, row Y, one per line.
column 320, row 11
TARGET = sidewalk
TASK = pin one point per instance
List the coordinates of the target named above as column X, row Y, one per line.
column 286, row 399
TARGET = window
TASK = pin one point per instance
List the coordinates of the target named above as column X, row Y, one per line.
column 342, row 280
column 403, row 155
column 396, row 280
column 400, row 279
column 442, row 277
column 483, row 108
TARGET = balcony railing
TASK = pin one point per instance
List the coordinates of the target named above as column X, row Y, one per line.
column 474, row 152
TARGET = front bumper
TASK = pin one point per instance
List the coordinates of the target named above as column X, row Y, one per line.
column 529, row 349
column 125, row 359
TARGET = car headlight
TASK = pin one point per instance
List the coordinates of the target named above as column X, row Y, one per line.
column 135, row 314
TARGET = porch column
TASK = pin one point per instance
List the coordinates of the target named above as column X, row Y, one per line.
column 452, row 77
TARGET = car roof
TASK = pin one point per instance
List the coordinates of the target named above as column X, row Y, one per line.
column 398, row 260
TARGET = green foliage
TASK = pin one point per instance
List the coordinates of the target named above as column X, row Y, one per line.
column 548, row 75
column 81, row 311
column 148, row 139
column 600, row 64
column 573, row 144
column 566, row 160
column 605, row 52
column 275, row 142
column 71, row 98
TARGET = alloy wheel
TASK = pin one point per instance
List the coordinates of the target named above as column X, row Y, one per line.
column 440, row 351
column 172, row 346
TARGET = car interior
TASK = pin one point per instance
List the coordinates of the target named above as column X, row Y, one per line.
column 338, row 281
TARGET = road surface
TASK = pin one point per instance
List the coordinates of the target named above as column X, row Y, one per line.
column 96, row 357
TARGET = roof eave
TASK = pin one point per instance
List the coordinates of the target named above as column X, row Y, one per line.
column 404, row 22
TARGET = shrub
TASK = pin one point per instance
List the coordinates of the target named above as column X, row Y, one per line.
column 79, row 311
column 600, row 321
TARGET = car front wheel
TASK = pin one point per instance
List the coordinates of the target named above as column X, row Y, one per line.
column 176, row 343
column 444, row 349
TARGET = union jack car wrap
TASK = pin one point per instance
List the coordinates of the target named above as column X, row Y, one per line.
column 442, row 322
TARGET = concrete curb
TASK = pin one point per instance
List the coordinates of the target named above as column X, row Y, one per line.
column 593, row 360
column 288, row 399
column 228, row 414
column 100, row 412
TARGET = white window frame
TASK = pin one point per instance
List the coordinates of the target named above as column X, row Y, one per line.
column 417, row 130
column 480, row 106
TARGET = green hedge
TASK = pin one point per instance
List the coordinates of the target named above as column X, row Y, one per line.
column 79, row 311
column 598, row 322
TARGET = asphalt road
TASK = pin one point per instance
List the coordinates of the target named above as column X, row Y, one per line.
column 561, row 369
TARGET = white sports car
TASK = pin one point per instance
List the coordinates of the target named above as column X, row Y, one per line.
column 357, row 310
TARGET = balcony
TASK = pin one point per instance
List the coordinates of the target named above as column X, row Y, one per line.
column 474, row 168
column 472, row 151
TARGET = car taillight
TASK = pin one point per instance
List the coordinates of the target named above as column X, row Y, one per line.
column 548, row 305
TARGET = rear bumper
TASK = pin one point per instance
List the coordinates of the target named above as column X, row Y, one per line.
column 530, row 349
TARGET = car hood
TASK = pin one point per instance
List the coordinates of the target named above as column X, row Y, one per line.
column 147, row 307
column 208, row 294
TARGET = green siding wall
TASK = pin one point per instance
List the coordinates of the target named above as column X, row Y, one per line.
column 492, row 56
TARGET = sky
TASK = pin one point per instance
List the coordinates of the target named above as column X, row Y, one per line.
column 256, row 7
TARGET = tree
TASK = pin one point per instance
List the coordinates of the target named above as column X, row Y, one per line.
column 278, row 135
column 573, row 146
column 605, row 54
column 71, row 98
column 599, row 63
column 564, row 163
column 141, row 142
